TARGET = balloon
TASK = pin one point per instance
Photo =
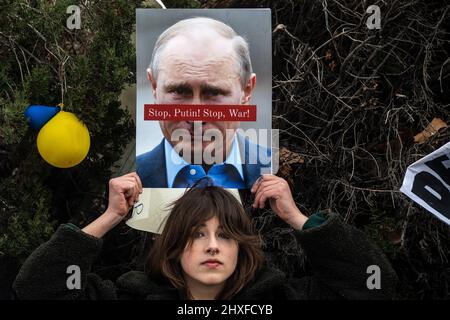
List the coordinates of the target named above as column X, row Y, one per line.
column 64, row 140
column 38, row 115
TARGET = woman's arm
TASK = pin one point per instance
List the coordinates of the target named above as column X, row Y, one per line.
column 60, row 268
column 123, row 193
column 277, row 191
column 343, row 261
column 340, row 254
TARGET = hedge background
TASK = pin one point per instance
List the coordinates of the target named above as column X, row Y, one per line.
column 349, row 103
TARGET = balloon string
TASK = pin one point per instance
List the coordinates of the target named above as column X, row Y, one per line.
column 62, row 85
column 161, row 4
column 62, row 79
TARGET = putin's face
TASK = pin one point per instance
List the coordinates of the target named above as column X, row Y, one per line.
column 200, row 68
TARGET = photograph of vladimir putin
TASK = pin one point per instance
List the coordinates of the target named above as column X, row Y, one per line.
column 202, row 61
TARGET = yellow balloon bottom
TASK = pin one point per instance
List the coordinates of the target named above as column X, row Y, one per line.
column 64, row 140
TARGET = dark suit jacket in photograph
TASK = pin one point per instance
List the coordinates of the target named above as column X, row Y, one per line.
column 151, row 166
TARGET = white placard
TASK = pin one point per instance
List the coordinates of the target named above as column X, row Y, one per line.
column 427, row 182
column 153, row 207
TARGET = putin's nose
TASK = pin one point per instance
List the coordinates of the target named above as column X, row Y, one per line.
column 196, row 99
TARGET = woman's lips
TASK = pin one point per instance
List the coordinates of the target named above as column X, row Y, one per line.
column 212, row 264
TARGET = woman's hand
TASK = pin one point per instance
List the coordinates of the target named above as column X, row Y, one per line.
column 277, row 190
column 123, row 194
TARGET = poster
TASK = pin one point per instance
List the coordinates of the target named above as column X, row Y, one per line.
column 204, row 102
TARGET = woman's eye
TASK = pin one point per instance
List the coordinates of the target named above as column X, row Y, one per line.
column 224, row 235
column 198, row 234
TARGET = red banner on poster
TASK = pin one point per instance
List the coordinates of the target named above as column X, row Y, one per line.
column 197, row 112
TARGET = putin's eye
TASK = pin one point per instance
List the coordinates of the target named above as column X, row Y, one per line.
column 213, row 92
column 180, row 91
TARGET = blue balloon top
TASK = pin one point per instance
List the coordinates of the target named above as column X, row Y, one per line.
column 37, row 115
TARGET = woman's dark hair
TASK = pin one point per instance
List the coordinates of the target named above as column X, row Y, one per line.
column 195, row 207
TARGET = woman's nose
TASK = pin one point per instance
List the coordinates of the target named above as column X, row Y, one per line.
column 213, row 247
column 213, row 251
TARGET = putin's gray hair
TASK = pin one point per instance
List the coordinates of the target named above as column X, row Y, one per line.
column 240, row 45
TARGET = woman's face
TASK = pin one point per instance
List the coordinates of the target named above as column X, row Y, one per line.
column 211, row 258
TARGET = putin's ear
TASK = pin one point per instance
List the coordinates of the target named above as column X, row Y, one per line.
column 248, row 90
column 152, row 81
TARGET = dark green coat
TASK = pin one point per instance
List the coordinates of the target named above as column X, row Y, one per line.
column 339, row 255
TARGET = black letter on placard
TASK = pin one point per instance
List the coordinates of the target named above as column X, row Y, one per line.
column 437, row 166
column 423, row 179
